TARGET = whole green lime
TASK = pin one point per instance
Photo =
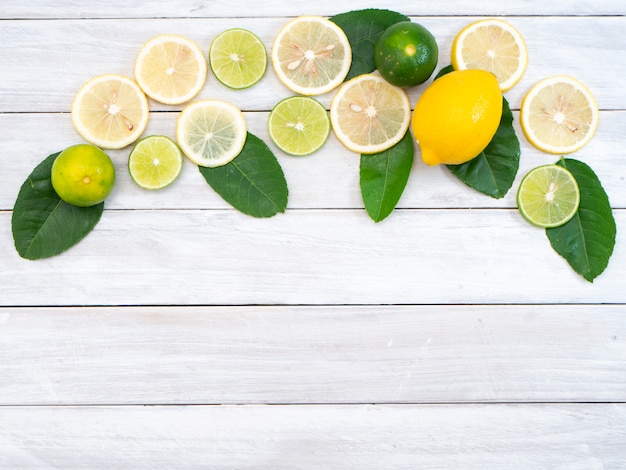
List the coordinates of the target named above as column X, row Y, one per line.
column 83, row 175
column 406, row 54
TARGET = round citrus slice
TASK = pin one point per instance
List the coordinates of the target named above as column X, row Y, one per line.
column 155, row 162
column 559, row 115
column 170, row 69
column 492, row 45
column 299, row 125
column 311, row 55
column 211, row 132
column 370, row 115
column 237, row 58
column 548, row 196
column 110, row 111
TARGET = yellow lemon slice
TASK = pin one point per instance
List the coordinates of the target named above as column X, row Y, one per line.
column 110, row 111
column 492, row 45
column 311, row 55
column 170, row 69
column 211, row 133
column 369, row 115
column 559, row 115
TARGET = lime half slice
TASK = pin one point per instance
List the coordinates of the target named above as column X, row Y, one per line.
column 155, row 162
column 548, row 196
column 299, row 125
column 238, row 58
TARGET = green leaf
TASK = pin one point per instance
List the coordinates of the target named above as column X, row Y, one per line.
column 363, row 28
column 493, row 171
column 43, row 224
column 587, row 240
column 384, row 176
column 253, row 182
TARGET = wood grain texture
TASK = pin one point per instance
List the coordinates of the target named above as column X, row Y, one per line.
column 304, row 437
column 328, row 179
column 219, row 8
column 27, row 85
column 307, row 257
column 279, row 355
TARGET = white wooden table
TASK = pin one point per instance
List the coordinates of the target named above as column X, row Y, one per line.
column 450, row 335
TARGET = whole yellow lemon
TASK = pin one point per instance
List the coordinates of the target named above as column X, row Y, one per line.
column 457, row 116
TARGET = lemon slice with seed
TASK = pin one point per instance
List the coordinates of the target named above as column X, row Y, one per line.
column 211, row 133
column 369, row 115
column 170, row 69
column 559, row 115
column 155, row 162
column 237, row 58
column 110, row 111
column 548, row 196
column 299, row 125
column 492, row 45
column 311, row 55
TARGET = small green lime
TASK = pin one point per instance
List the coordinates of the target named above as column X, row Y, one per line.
column 83, row 175
column 406, row 54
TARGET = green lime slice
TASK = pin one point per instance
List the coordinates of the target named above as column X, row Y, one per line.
column 548, row 196
column 155, row 162
column 237, row 58
column 299, row 125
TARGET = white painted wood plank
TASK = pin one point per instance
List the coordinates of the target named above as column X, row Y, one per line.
column 217, row 8
column 327, row 179
column 340, row 354
column 312, row 437
column 307, row 257
column 45, row 62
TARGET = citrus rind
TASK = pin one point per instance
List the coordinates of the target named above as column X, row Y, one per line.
column 237, row 58
column 493, row 45
column 170, row 69
column 548, row 196
column 211, row 133
column 369, row 115
column 110, row 111
column 559, row 115
column 311, row 55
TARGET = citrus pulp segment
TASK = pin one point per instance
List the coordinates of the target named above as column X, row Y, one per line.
column 170, row 69
column 238, row 58
column 155, row 162
column 211, row 133
column 369, row 115
column 492, row 45
column 311, row 55
column 110, row 111
column 559, row 115
column 548, row 196
column 299, row 125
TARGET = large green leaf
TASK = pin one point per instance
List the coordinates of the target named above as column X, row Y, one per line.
column 253, row 182
column 587, row 240
column 384, row 176
column 44, row 225
column 363, row 28
column 493, row 171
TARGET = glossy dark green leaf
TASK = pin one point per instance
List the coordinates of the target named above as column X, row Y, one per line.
column 384, row 176
column 363, row 28
column 493, row 171
column 43, row 225
column 253, row 182
column 587, row 240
